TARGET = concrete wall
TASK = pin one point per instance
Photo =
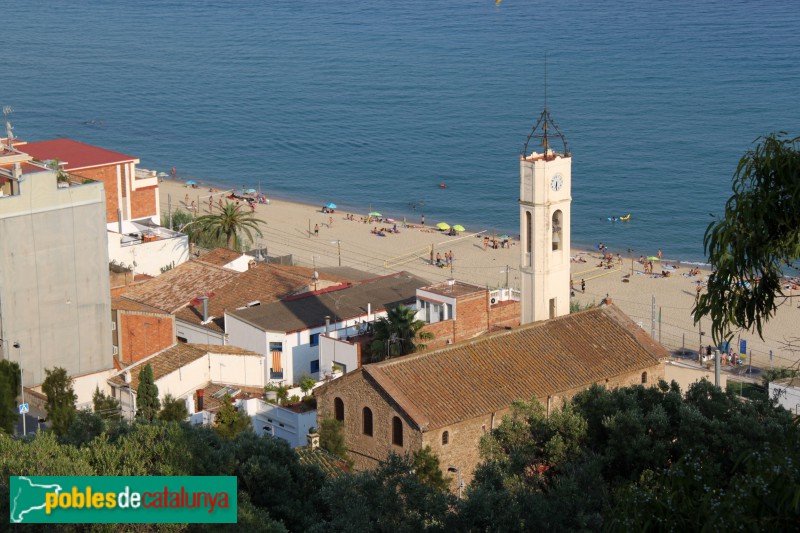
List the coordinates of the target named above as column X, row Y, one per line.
column 54, row 284
column 196, row 334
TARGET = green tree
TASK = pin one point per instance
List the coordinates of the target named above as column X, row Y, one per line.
column 230, row 222
column 147, row 401
column 173, row 409
column 756, row 239
column 106, row 406
column 428, row 469
column 396, row 334
column 230, row 421
column 180, row 219
column 9, row 389
column 331, row 437
column 307, row 383
column 61, row 399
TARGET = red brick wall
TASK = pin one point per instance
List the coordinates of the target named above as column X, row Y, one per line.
column 143, row 334
column 143, row 202
column 474, row 316
column 108, row 175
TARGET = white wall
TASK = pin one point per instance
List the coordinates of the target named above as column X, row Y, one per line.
column 280, row 423
column 336, row 351
column 240, row 263
column 788, row 397
column 196, row 334
column 150, row 257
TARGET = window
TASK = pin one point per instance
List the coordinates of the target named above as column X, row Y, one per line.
column 338, row 409
column 445, row 438
column 397, row 431
column 528, row 238
column 644, row 378
column 366, row 422
column 314, row 338
column 314, row 369
column 557, row 221
column 276, row 371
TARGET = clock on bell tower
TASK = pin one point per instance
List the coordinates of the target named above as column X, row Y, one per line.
column 544, row 209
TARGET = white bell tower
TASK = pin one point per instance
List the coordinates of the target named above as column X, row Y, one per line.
column 544, row 219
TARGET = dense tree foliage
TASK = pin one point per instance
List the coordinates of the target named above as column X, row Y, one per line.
column 632, row 459
column 60, row 399
column 173, row 409
column 106, row 406
column 229, row 420
column 147, row 402
column 639, row 458
column 397, row 333
column 756, row 240
column 9, row 389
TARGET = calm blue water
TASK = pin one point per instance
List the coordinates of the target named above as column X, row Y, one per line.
column 375, row 103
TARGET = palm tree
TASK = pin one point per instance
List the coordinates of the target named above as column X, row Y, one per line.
column 397, row 333
column 229, row 222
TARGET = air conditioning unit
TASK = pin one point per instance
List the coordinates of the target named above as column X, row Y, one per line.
column 114, row 350
column 494, row 301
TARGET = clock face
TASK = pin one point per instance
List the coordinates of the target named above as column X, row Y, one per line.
column 556, row 182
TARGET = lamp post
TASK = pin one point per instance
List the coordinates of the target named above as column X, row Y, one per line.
column 456, row 470
column 316, row 276
column 339, row 249
column 21, row 386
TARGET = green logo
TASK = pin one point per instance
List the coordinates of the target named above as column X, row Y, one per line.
column 123, row 499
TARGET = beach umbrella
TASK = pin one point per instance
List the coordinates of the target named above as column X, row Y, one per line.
column 250, row 191
column 503, row 237
column 191, row 182
column 375, row 214
column 459, row 227
column 444, row 226
column 330, row 205
column 653, row 258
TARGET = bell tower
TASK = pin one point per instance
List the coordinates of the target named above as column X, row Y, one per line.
column 544, row 218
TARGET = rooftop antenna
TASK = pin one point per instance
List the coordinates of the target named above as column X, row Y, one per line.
column 9, row 130
column 546, row 122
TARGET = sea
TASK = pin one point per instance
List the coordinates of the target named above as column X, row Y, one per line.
column 373, row 105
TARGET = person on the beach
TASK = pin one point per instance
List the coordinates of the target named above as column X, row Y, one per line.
column 438, row 259
column 173, row 172
column 186, row 200
column 210, row 202
column 659, row 254
column 422, row 220
column 451, row 256
column 485, row 243
column 330, row 222
column 405, row 225
column 316, row 230
column 193, row 207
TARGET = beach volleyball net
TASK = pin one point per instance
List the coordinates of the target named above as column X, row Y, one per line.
column 408, row 257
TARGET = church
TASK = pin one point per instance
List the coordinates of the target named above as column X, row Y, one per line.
column 448, row 398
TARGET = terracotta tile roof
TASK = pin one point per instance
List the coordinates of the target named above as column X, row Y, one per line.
column 75, row 155
column 128, row 305
column 177, row 287
column 309, row 310
column 220, row 256
column 263, row 283
column 173, row 358
column 453, row 289
column 331, row 465
column 484, row 375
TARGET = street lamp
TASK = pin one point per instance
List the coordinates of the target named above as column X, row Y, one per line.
column 21, row 386
column 339, row 248
column 455, row 470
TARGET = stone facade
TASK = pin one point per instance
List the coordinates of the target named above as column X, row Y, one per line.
column 461, row 451
column 357, row 392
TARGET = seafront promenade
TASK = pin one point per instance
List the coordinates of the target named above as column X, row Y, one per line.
column 290, row 230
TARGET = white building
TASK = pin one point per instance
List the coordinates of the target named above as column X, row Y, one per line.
column 183, row 369
column 288, row 332
column 544, row 204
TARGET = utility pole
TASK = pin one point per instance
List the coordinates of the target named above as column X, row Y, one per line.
column 653, row 317
column 21, row 386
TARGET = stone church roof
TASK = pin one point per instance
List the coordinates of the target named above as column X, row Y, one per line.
column 484, row 375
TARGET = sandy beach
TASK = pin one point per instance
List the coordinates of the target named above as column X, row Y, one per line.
column 290, row 231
